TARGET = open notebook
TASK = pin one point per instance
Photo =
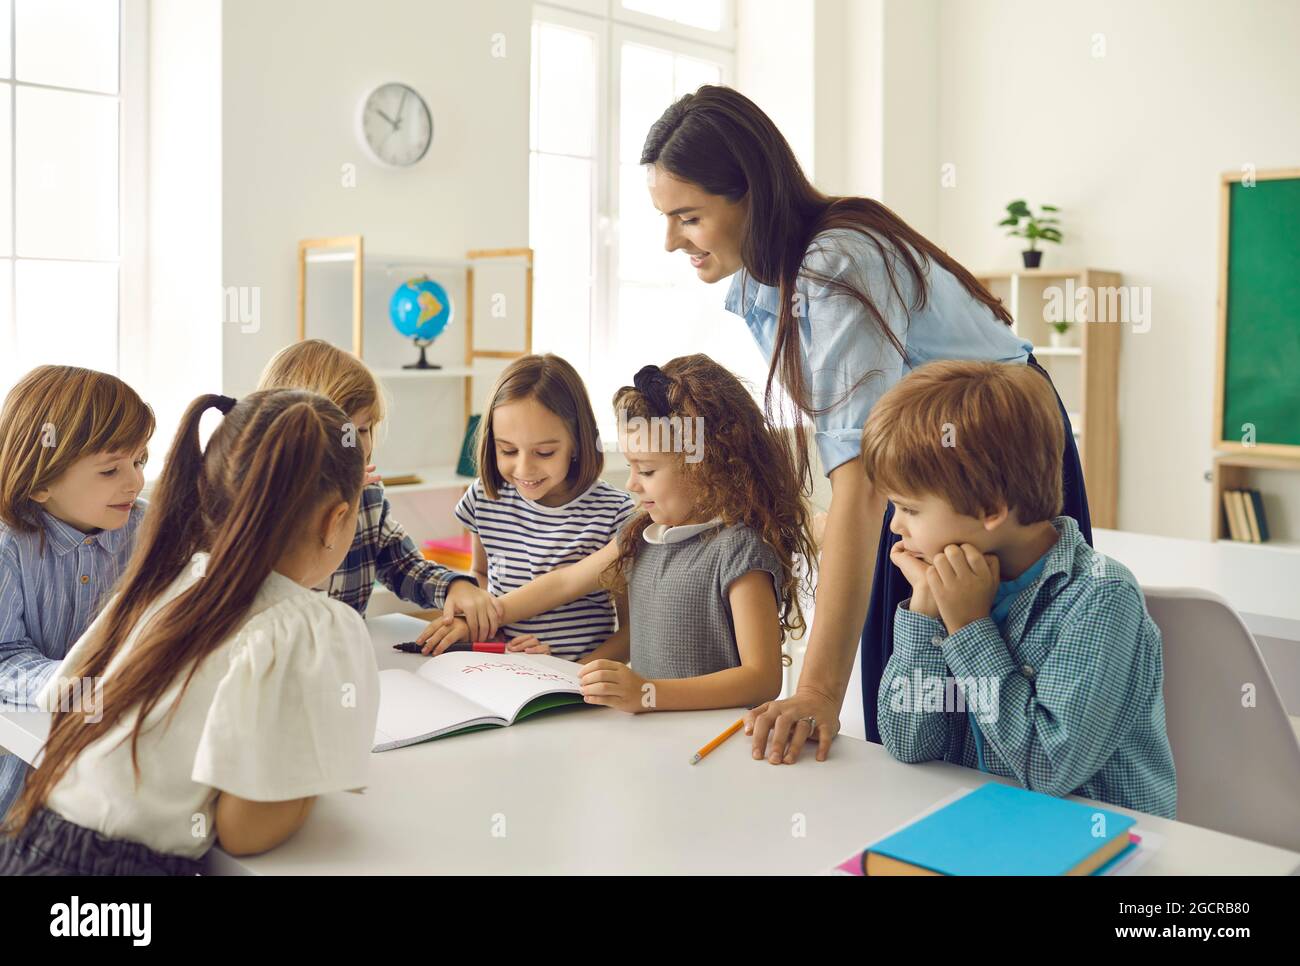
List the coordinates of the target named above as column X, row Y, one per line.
column 463, row 691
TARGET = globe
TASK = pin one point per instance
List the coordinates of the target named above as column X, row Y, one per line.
column 421, row 310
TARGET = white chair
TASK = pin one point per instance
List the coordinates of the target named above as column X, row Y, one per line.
column 1238, row 765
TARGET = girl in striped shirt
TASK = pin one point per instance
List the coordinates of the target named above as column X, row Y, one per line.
column 539, row 504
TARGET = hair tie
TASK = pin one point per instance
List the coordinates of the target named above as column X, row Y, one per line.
column 225, row 403
column 653, row 386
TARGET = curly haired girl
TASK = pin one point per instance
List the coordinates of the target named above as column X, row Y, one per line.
column 711, row 562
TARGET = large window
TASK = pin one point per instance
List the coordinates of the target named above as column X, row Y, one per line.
column 61, row 204
column 608, row 296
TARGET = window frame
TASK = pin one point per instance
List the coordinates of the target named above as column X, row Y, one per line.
column 612, row 27
column 132, row 187
column 724, row 37
column 563, row 17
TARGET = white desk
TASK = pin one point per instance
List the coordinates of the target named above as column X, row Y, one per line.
column 1262, row 583
column 592, row 790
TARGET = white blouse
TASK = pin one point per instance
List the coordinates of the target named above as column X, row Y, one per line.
column 283, row 709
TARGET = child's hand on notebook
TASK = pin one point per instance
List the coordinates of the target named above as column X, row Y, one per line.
column 529, row 644
column 480, row 610
column 615, row 685
column 964, row 582
column 916, row 571
column 438, row 635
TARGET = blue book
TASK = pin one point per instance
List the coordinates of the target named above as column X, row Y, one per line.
column 1004, row 830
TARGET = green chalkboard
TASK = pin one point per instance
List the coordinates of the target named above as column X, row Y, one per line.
column 1261, row 351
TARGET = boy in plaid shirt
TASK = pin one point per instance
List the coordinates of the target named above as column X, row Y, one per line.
column 381, row 549
column 1022, row 652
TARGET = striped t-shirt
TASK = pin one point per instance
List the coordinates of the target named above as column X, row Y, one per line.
column 524, row 540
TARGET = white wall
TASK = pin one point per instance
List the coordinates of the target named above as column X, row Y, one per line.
column 847, row 106
column 909, row 110
column 294, row 74
column 184, row 211
column 1131, row 145
column 774, row 68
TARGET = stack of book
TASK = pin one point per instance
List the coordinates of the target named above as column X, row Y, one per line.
column 455, row 552
column 1245, row 512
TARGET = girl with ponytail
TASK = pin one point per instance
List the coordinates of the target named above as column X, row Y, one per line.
column 216, row 695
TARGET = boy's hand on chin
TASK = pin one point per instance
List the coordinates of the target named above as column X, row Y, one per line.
column 916, row 571
column 963, row 582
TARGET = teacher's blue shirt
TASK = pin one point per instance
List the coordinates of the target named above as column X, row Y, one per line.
column 840, row 341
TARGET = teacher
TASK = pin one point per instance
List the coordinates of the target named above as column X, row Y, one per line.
column 844, row 298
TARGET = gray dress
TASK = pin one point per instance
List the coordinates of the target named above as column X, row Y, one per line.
column 677, row 598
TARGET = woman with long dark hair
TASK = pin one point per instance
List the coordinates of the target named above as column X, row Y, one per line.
column 844, row 298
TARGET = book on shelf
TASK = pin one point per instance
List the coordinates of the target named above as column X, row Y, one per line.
column 1244, row 511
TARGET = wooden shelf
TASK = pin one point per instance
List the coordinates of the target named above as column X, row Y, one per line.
column 1261, row 461
column 446, row 372
column 1047, row 350
column 1086, row 375
column 350, row 254
column 431, row 478
column 393, row 262
column 1047, row 272
column 1234, row 471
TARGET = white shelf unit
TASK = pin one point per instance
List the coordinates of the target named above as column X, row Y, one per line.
column 446, row 372
column 1278, row 480
column 350, row 250
column 1086, row 374
column 431, row 478
column 334, row 274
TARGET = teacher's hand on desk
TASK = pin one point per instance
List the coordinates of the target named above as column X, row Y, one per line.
column 844, row 575
column 789, row 723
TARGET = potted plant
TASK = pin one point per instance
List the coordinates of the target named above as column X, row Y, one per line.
column 1060, row 334
column 1036, row 227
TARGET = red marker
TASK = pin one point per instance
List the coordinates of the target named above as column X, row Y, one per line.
column 482, row 647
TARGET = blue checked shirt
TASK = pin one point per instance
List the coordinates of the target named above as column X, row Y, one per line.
column 381, row 550
column 1067, row 694
column 48, row 597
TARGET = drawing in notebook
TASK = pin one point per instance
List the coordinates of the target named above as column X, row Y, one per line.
column 461, row 691
column 518, row 670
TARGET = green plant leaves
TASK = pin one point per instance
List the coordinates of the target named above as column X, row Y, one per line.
column 1041, row 227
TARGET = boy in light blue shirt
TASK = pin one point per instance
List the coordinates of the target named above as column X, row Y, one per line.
column 1022, row 652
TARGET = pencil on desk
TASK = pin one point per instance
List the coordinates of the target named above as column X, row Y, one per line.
column 717, row 741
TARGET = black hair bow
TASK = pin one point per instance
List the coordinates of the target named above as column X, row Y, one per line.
column 653, row 386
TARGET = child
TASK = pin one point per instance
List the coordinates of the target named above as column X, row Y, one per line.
column 1057, row 664
column 709, row 563
column 539, row 504
column 226, row 694
column 381, row 548
column 72, row 455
